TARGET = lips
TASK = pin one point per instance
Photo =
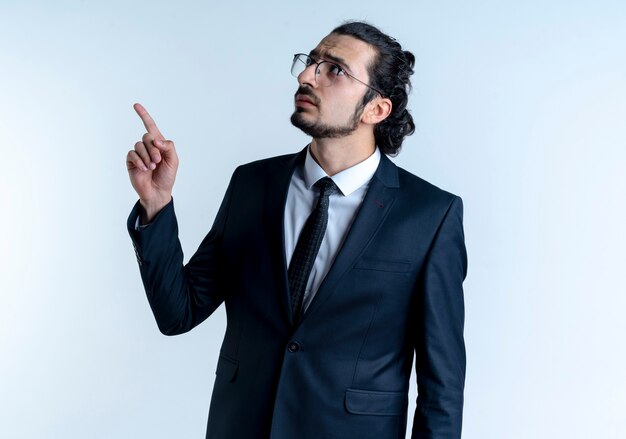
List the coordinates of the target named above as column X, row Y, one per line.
column 304, row 100
column 305, row 97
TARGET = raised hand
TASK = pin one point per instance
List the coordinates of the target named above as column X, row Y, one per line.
column 152, row 167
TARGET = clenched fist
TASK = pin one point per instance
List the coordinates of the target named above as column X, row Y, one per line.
column 152, row 167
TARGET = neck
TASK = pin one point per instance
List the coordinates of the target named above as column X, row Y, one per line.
column 336, row 155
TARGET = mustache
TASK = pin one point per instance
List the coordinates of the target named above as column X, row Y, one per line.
column 306, row 91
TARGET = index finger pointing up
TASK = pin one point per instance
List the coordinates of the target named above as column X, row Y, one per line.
column 147, row 120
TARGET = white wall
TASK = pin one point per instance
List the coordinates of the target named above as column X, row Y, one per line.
column 520, row 109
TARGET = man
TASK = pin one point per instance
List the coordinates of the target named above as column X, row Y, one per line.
column 334, row 265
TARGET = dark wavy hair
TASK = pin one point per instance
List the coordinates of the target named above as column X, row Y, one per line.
column 390, row 73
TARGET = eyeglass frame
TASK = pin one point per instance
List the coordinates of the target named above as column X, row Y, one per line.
column 340, row 69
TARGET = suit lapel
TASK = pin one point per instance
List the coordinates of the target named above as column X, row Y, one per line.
column 275, row 199
column 375, row 207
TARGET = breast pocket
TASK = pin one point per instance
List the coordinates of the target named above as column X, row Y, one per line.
column 379, row 264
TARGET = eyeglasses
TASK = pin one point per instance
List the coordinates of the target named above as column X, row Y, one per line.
column 326, row 72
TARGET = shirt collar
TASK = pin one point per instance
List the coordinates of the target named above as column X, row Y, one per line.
column 348, row 180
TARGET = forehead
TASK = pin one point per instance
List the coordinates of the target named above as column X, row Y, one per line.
column 352, row 53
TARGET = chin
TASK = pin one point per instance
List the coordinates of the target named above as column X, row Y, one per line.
column 298, row 121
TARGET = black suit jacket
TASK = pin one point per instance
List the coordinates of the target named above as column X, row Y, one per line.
column 343, row 371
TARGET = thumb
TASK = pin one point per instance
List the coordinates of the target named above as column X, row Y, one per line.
column 163, row 145
column 166, row 149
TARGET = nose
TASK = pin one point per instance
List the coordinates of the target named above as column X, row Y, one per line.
column 308, row 76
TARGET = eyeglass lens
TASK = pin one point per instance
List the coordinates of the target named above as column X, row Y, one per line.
column 326, row 72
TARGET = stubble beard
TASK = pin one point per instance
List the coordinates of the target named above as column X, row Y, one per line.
column 324, row 131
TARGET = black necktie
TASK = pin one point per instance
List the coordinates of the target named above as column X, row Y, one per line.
column 308, row 245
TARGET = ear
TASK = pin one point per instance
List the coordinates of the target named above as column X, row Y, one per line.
column 377, row 110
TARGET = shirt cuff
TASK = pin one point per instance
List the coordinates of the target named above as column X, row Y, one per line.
column 138, row 225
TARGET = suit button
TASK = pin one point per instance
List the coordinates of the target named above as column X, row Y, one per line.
column 293, row 347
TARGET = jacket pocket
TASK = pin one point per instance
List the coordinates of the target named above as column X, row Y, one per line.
column 227, row 368
column 392, row 265
column 368, row 402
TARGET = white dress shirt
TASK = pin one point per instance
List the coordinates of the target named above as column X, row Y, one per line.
column 301, row 199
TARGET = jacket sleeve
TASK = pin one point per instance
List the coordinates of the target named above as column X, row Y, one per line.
column 439, row 344
column 180, row 296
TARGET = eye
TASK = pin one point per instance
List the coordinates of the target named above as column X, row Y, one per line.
column 337, row 70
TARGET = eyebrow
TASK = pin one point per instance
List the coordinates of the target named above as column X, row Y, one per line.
column 330, row 57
